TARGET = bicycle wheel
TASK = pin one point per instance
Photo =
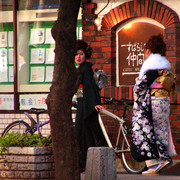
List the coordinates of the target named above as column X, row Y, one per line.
column 16, row 126
column 130, row 165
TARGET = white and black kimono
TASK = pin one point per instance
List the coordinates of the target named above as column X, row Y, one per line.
column 147, row 140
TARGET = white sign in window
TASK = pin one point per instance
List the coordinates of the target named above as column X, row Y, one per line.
column 28, row 101
column 37, row 56
column 37, row 36
column 3, row 39
column 6, row 102
column 37, row 74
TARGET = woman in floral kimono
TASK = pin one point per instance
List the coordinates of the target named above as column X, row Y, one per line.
column 151, row 133
column 87, row 128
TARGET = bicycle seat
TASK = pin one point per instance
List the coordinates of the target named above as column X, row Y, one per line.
column 37, row 110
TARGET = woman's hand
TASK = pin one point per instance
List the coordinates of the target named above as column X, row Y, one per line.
column 98, row 108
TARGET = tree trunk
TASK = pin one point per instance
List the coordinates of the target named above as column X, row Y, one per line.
column 64, row 85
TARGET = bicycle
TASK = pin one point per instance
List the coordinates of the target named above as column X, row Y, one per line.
column 122, row 145
column 23, row 127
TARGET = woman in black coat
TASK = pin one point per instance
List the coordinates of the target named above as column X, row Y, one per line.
column 87, row 128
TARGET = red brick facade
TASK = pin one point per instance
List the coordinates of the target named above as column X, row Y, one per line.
column 104, row 47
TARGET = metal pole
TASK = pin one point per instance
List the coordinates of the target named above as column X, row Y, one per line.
column 16, row 97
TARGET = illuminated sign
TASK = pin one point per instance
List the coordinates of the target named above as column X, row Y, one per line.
column 131, row 42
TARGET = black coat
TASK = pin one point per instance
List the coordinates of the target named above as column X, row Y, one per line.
column 87, row 128
column 91, row 96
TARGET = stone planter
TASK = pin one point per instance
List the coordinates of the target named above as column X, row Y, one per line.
column 27, row 163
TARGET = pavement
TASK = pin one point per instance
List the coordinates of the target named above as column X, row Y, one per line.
column 170, row 173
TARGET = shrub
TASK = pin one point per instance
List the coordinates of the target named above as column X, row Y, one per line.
column 24, row 140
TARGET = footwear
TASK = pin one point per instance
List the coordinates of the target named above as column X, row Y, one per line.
column 162, row 166
column 149, row 172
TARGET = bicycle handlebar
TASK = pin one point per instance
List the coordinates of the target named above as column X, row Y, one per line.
column 121, row 101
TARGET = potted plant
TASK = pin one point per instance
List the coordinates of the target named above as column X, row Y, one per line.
column 26, row 157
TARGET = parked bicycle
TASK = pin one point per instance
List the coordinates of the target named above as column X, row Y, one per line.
column 122, row 145
column 23, row 127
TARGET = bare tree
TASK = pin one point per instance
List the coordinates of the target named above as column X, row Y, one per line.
column 64, row 85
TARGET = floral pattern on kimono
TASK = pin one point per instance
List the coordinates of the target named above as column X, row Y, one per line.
column 160, row 113
column 143, row 140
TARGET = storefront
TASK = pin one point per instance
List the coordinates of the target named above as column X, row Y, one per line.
column 27, row 53
column 26, row 57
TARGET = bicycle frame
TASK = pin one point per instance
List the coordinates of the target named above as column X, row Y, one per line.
column 38, row 125
column 122, row 145
column 35, row 125
column 121, row 129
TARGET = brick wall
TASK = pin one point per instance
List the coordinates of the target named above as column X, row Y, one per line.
column 103, row 43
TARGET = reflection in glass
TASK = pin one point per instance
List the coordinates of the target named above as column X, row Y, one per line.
column 38, row 4
column 6, row 44
column 6, row 5
column 35, row 43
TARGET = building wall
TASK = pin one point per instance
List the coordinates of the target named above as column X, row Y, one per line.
column 174, row 5
column 103, row 42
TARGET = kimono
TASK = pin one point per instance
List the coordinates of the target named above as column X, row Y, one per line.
column 143, row 140
column 87, row 128
column 149, row 137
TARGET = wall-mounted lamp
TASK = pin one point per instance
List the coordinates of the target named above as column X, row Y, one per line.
column 97, row 19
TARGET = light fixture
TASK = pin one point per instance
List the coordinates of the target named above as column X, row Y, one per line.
column 97, row 19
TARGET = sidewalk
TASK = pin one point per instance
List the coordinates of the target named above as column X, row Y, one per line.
column 171, row 173
column 172, row 170
column 143, row 177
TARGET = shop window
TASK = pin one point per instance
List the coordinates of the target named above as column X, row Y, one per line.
column 35, row 53
column 131, row 39
column 6, row 54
